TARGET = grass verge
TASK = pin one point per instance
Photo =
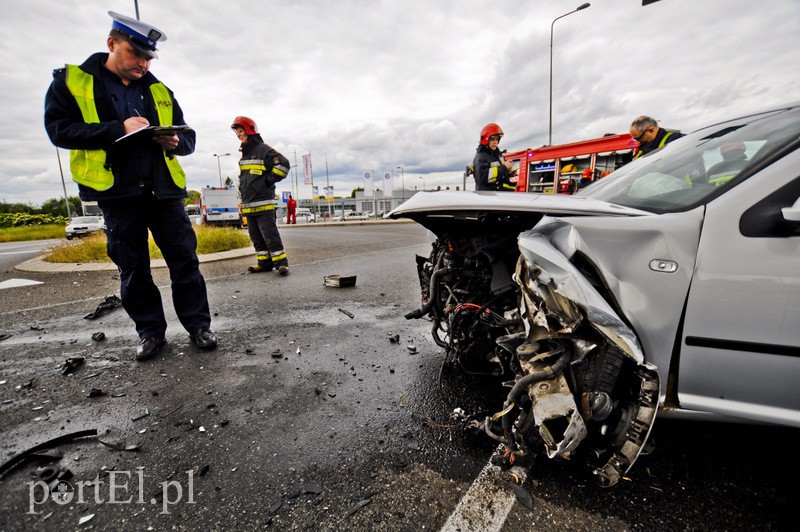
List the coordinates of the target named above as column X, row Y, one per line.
column 31, row 232
column 93, row 248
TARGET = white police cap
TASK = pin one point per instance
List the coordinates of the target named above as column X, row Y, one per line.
column 141, row 35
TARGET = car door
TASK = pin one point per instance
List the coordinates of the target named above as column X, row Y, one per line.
column 740, row 348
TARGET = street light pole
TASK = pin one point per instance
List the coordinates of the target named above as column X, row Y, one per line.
column 423, row 182
column 550, row 130
column 219, row 168
column 402, row 184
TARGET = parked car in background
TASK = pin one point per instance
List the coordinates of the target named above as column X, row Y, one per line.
column 305, row 216
column 355, row 215
column 84, row 226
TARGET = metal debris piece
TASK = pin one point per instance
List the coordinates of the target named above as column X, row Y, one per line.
column 359, row 505
column 99, row 336
column 49, row 444
column 249, row 352
column 412, row 349
column 109, row 303
column 120, row 446
column 339, row 281
column 25, row 385
column 522, row 496
column 347, row 313
column 394, row 339
column 275, row 506
column 93, row 375
column 316, row 489
column 146, row 413
column 37, row 328
column 71, row 364
column 276, row 354
column 5, row 336
column 85, row 519
column 96, row 392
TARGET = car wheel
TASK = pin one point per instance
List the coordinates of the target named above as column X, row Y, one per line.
column 69, row 237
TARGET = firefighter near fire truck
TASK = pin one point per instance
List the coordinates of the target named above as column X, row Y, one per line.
column 260, row 168
column 490, row 169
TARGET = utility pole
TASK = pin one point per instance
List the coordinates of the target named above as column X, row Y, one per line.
column 63, row 183
column 327, row 188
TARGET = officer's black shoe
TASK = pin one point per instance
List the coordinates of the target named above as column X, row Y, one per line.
column 204, row 338
column 150, row 348
column 283, row 270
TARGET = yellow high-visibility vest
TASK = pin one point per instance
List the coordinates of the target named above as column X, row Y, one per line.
column 88, row 167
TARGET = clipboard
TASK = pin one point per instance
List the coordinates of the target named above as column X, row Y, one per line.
column 154, row 131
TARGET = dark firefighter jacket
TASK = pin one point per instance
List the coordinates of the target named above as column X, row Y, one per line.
column 490, row 171
column 133, row 163
column 260, row 167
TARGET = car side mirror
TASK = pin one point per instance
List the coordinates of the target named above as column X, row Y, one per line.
column 792, row 214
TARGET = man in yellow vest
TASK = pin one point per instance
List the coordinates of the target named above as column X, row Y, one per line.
column 650, row 136
column 137, row 182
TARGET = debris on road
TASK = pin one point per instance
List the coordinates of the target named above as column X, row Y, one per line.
column 108, row 304
column 71, row 364
column 146, row 413
column 340, row 281
column 359, row 505
column 394, row 339
column 276, row 354
column 49, row 444
column 119, row 446
column 85, row 519
column 99, row 336
column 25, row 385
column 522, row 495
column 347, row 313
column 412, row 349
column 5, row 336
column 96, row 392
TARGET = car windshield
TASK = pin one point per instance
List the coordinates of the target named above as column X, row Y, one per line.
column 700, row 166
column 85, row 220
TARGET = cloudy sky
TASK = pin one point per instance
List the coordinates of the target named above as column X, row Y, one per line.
column 376, row 85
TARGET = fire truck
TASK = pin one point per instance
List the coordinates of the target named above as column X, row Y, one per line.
column 557, row 169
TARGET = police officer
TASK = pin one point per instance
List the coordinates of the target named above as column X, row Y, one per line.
column 137, row 182
column 490, row 169
column 259, row 169
column 646, row 131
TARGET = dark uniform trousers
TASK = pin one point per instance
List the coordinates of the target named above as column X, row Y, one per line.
column 263, row 230
column 127, row 221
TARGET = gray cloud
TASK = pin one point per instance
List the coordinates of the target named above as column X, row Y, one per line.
column 376, row 85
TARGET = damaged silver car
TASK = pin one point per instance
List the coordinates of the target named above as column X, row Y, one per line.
column 670, row 286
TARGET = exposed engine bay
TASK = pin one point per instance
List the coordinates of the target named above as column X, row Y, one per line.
column 501, row 304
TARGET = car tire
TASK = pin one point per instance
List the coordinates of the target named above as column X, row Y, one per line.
column 69, row 238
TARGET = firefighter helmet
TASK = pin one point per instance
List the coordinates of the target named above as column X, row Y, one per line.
column 488, row 131
column 245, row 123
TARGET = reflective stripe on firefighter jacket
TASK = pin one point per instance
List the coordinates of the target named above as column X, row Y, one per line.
column 89, row 166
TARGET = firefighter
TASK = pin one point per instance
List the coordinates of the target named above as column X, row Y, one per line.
column 490, row 169
column 259, row 169
column 650, row 136
column 137, row 183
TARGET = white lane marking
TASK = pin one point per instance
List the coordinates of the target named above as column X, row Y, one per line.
column 485, row 506
column 29, row 252
column 15, row 283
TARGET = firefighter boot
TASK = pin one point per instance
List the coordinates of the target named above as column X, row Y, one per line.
column 262, row 266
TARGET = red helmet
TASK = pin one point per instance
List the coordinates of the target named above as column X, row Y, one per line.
column 489, row 130
column 245, row 123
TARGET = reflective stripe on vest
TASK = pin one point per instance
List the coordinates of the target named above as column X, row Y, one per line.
column 660, row 145
column 88, row 167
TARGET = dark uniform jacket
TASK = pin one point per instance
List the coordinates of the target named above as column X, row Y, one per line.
column 658, row 142
column 489, row 170
column 134, row 163
column 260, row 167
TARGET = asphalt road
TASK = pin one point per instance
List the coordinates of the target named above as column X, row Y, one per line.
column 306, row 418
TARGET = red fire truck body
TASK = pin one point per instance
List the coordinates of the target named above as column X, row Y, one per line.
column 557, row 169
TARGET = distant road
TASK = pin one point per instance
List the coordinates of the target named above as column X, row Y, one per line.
column 12, row 253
